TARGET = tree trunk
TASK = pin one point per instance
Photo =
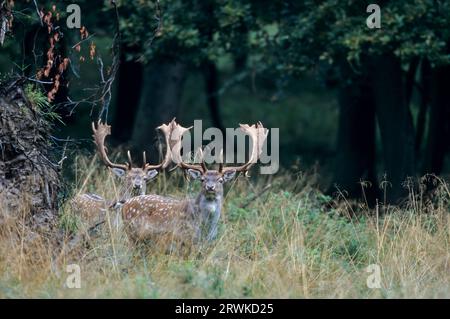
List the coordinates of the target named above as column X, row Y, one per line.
column 425, row 79
column 395, row 123
column 355, row 158
column 128, row 93
column 159, row 103
column 212, row 98
column 438, row 125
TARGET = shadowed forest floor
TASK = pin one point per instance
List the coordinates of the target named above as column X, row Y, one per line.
column 291, row 242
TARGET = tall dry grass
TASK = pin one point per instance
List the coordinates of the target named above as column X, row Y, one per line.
column 289, row 242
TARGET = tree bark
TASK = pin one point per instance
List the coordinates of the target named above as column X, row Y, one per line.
column 425, row 80
column 128, row 95
column 212, row 87
column 395, row 123
column 355, row 158
column 439, row 118
column 159, row 103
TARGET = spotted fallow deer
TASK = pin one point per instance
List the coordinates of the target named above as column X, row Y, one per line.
column 133, row 179
column 151, row 216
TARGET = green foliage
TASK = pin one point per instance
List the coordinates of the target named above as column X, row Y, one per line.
column 282, row 39
column 331, row 29
column 41, row 104
column 287, row 38
column 36, row 97
column 190, row 30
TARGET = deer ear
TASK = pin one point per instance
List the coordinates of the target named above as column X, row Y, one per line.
column 151, row 174
column 228, row 176
column 118, row 171
column 195, row 174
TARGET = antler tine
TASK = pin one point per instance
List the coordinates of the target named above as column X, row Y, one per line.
column 221, row 161
column 177, row 133
column 202, row 160
column 100, row 133
column 144, row 160
column 167, row 130
column 130, row 161
column 258, row 135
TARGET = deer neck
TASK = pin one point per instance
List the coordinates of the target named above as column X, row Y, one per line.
column 208, row 210
column 206, row 201
column 129, row 192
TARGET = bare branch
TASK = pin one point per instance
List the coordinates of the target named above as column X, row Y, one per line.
column 38, row 12
column 39, row 81
column 80, row 42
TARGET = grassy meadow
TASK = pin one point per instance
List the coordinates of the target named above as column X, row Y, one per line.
column 291, row 241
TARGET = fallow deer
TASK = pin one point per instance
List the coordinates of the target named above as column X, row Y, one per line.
column 133, row 179
column 151, row 216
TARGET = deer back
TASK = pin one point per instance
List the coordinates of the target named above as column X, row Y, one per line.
column 147, row 216
column 90, row 207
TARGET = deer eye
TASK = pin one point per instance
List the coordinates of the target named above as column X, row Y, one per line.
column 202, row 178
column 220, row 180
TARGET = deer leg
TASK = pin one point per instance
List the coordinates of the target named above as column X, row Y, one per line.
column 117, row 219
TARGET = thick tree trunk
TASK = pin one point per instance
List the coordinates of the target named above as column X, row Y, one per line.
column 425, row 79
column 410, row 79
column 439, row 119
column 128, row 94
column 209, row 68
column 160, row 101
column 355, row 151
column 395, row 123
column 212, row 87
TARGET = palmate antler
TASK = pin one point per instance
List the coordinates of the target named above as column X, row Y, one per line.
column 175, row 144
column 257, row 133
column 103, row 130
column 166, row 129
column 100, row 133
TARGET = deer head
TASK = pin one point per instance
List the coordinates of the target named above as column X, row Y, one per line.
column 213, row 180
column 134, row 178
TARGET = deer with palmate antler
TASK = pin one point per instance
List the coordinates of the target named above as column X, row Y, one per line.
column 133, row 179
column 151, row 216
